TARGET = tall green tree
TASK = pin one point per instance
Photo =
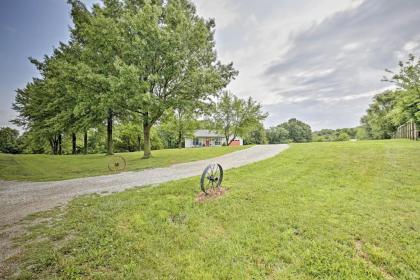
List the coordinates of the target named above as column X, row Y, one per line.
column 393, row 108
column 256, row 136
column 99, row 35
column 235, row 117
column 125, row 57
column 34, row 113
column 407, row 79
column 168, row 58
column 377, row 121
column 298, row 131
column 46, row 105
column 180, row 123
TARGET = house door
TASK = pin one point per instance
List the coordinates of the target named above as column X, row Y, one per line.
column 207, row 142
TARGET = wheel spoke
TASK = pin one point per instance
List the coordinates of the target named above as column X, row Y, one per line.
column 212, row 177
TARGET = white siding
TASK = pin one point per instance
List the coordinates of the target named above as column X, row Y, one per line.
column 205, row 135
column 188, row 143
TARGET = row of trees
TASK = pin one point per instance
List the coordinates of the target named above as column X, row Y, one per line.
column 172, row 130
column 127, row 62
column 393, row 108
column 229, row 115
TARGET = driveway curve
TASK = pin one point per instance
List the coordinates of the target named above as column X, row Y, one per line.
column 18, row 199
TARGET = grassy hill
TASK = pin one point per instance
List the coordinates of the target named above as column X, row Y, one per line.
column 346, row 210
column 50, row 167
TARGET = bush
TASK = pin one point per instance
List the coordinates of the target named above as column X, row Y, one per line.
column 343, row 137
column 9, row 141
column 318, row 138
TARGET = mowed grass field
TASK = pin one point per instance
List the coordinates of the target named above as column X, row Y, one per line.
column 50, row 167
column 346, row 210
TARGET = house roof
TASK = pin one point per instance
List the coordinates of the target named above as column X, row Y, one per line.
column 206, row 133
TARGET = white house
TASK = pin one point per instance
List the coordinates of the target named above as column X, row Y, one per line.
column 207, row 138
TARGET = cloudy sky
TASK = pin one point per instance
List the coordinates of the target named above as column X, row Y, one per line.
column 318, row 61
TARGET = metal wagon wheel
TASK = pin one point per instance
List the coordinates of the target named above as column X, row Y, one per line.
column 116, row 163
column 212, row 177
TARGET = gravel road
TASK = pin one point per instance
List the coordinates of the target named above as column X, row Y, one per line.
column 18, row 199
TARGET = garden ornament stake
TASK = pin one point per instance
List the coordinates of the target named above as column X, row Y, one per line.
column 212, row 177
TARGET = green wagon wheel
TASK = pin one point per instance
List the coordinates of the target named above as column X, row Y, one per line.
column 212, row 177
column 117, row 163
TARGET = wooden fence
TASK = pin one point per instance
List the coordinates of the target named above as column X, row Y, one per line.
column 408, row 130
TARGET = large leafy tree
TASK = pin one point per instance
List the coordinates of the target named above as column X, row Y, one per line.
column 125, row 57
column 298, row 131
column 391, row 109
column 179, row 123
column 144, row 57
column 35, row 113
column 378, row 122
column 235, row 117
column 407, row 79
column 168, row 59
column 98, row 34
column 46, row 106
column 256, row 136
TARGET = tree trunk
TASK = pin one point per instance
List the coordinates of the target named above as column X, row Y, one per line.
column 138, row 143
column 227, row 140
column 110, row 144
column 180, row 140
column 54, row 145
column 85, row 143
column 73, row 144
column 146, row 136
column 60, row 144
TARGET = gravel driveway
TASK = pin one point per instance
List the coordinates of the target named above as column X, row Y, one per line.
column 18, row 199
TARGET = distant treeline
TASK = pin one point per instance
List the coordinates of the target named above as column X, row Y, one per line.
column 341, row 134
column 295, row 131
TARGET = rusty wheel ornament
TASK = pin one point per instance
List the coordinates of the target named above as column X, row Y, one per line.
column 116, row 163
column 212, row 177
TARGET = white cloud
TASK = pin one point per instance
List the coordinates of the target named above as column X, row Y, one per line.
column 221, row 10
column 252, row 39
column 313, row 54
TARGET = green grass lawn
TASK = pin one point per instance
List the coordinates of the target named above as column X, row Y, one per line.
column 50, row 167
column 317, row 211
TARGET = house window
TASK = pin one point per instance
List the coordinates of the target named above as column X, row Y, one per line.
column 196, row 142
column 217, row 142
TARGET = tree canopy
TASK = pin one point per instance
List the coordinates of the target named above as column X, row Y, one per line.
column 393, row 108
column 291, row 131
column 235, row 117
column 9, row 140
column 126, row 60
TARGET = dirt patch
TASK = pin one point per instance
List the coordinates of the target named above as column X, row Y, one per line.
column 360, row 253
column 210, row 195
column 10, row 248
column 359, row 245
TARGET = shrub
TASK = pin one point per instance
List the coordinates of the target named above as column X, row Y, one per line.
column 343, row 137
